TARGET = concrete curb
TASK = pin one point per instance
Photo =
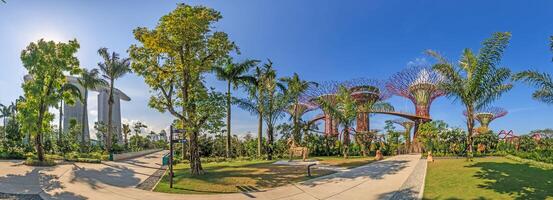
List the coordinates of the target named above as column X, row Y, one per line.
column 125, row 156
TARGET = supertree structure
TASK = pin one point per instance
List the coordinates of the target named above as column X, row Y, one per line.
column 366, row 93
column 408, row 126
column 326, row 91
column 487, row 114
column 418, row 84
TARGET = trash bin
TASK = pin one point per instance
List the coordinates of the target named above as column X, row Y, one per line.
column 165, row 159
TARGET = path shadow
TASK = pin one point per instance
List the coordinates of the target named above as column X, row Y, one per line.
column 520, row 180
column 118, row 176
column 35, row 184
column 376, row 170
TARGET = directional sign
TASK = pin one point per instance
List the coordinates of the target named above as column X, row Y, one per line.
column 179, row 141
column 179, row 131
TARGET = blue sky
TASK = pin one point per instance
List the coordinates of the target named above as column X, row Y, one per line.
column 320, row 40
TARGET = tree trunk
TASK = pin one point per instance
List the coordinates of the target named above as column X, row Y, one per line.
column 228, row 120
column 110, row 128
column 470, row 127
column 38, row 138
column 345, row 140
column 195, row 162
column 269, row 142
column 83, row 119
column 259, row 134
column 60, row 129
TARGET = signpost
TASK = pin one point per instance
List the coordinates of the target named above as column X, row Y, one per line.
column 171, row 141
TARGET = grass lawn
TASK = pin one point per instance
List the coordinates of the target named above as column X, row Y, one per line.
column 487, row 178
column 236, row 176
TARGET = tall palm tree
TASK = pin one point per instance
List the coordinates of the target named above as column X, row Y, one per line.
column 542, row 81
column 296, row 87
column 235, row 75
column 113, row 67
column 126, row 131
column 5, row 112
column 274, row 103
column 72, row 90
column 88, row 80
column 477, row 80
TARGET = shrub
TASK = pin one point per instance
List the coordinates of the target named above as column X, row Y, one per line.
column 34, row 162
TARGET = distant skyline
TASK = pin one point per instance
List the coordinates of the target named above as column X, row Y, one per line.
column 319, row 40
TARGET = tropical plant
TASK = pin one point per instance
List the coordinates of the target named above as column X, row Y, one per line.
column 113, row 67
column 296, row 87
column 254, row 103
column 274, row 103
column 477, row 80
column 88, row 80
column 66, row 89
column 345, row 111
column 542, row 81
column 5, row 113
column 126, row 129
column 235, row 75
column 173, row 59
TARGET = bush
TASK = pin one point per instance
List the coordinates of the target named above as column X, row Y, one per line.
column 12, row 155
column 85, row 160
column 34, row 162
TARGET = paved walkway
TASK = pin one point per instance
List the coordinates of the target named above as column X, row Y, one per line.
column 398, row 177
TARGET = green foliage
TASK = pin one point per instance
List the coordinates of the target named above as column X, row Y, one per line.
column 477, row 80
column 542, row 81
column 34, row 162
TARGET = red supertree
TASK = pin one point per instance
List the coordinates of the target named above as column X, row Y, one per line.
column 366, row 93
column 418, row 84
column 487, row 114
column 325, row 91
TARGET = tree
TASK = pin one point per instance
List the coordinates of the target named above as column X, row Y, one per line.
column 542, row 81
column 477, row 80
column 137, row 127
column 126, row 131
column 295, row 89
column 113, row 67
column 73, row 90
column 5, row 113
column 235, row 75
column 344, row 109
column 88, row 80
column 173, row 59
column 254, row 103
column 46, row 63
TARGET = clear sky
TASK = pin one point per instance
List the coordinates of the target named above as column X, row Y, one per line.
column 320, row 40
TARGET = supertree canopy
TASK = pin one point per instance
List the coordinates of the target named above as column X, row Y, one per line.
column 487, row 114
column 326, row 92
column 366, row 93
column 418, row 84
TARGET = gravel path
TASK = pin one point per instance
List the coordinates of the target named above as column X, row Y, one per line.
column 152, row 181
column 5, row 196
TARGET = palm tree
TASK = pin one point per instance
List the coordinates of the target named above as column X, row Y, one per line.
column 540, row 80
column 234, row 74
column 113, row 67
column 126, row 131
column 5, row 112
column 88, row 80
column 72, row 90
column 295, row 89
column 477, row 80
column 344, row 109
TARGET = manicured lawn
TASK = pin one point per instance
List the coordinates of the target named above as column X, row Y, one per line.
column 487, row 178
column 238, row 176
column 351, row 162
column 235, row 176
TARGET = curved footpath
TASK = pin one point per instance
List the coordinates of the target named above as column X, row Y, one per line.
column 398, row 177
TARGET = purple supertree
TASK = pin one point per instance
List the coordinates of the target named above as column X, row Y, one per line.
column 418, row 84
column 366, row 93
column 326, row 91
column 487, row 114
